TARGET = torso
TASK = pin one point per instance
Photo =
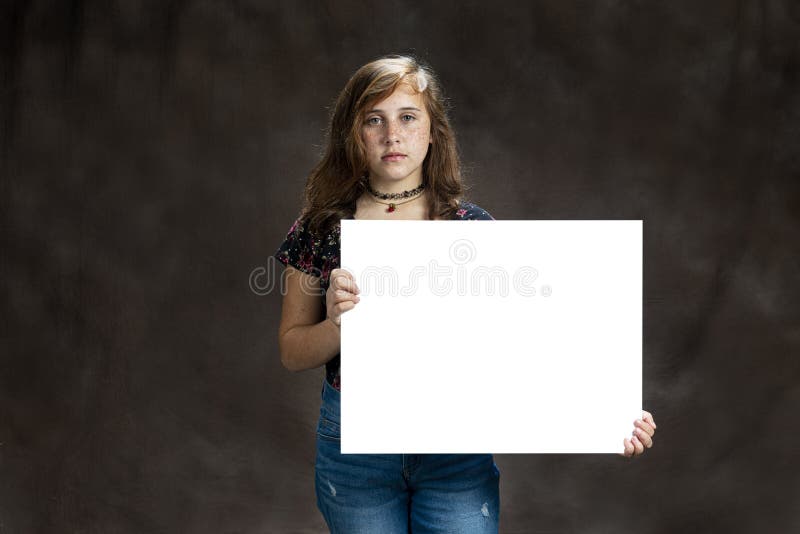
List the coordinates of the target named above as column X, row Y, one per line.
column 307, row 251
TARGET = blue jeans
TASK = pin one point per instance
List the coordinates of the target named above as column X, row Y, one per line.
column 401, row 493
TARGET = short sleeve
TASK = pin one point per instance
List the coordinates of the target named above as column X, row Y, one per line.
column 300, row 249
column 473, row 212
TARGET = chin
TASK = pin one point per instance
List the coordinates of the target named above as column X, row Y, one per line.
column 390, row 177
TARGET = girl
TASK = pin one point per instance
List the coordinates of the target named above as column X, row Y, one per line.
column 391, row 154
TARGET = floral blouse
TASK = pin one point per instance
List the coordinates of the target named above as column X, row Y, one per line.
column 319, row 255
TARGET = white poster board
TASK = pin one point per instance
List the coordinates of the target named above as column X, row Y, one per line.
column 491, row 336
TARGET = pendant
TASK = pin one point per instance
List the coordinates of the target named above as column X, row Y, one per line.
column 391, row 208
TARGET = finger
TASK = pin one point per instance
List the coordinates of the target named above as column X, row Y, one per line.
column 346, row 284
column 628, row 448
column 345, row 306
column 647, row 416
column 644, row 426
column 637, row 445
column 341, row 295
column 343, row 279
column 643, row 437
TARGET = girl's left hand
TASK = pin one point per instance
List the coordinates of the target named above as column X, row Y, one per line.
column 642, row 438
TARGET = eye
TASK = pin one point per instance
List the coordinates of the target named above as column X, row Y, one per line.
column 373, row 121
column 408, row 118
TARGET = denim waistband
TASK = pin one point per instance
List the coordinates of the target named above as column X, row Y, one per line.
column 331, row 402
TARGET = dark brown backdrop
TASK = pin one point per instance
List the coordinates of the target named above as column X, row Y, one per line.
column 153, row 156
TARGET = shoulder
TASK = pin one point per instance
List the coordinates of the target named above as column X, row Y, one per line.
column 469, row 211
column 300, row 232
column 310, row 252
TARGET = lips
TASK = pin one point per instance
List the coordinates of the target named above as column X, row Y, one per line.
column 393, row 156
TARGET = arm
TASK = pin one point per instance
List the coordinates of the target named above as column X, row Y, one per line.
column 309, row 333
column 306, row 338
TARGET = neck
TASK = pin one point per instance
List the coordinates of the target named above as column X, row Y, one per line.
column 394, row 186
column 368, row 207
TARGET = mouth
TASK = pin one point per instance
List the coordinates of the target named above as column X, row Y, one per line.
column 393, row 156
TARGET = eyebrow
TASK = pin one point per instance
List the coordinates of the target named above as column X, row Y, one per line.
column 400, row 109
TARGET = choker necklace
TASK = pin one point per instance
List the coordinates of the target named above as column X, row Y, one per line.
column 387, row 196
column 393, row 196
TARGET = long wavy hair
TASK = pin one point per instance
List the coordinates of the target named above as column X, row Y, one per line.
column 337, row 181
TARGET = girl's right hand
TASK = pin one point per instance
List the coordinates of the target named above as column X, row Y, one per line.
column 342, row 295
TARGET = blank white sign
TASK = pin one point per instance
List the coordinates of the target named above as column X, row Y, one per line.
column 491, row 336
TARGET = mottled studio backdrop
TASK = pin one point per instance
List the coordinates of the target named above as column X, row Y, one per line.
column 153, row 155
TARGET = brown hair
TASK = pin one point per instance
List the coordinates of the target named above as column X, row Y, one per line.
column 336, row 182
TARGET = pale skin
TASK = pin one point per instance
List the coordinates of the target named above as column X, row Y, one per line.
column 309, row 334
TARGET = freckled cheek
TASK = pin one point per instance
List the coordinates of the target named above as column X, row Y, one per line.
column 419, row 136
column 372, row 142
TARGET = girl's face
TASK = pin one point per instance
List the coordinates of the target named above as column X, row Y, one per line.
column 397, row 133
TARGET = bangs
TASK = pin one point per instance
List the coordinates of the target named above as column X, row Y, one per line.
column 386, row 82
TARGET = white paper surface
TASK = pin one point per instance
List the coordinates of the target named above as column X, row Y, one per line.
column 544, row 359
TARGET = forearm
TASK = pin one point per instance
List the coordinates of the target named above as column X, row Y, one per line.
column 310, row 346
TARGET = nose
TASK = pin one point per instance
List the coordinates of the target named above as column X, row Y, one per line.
column 392, row 133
